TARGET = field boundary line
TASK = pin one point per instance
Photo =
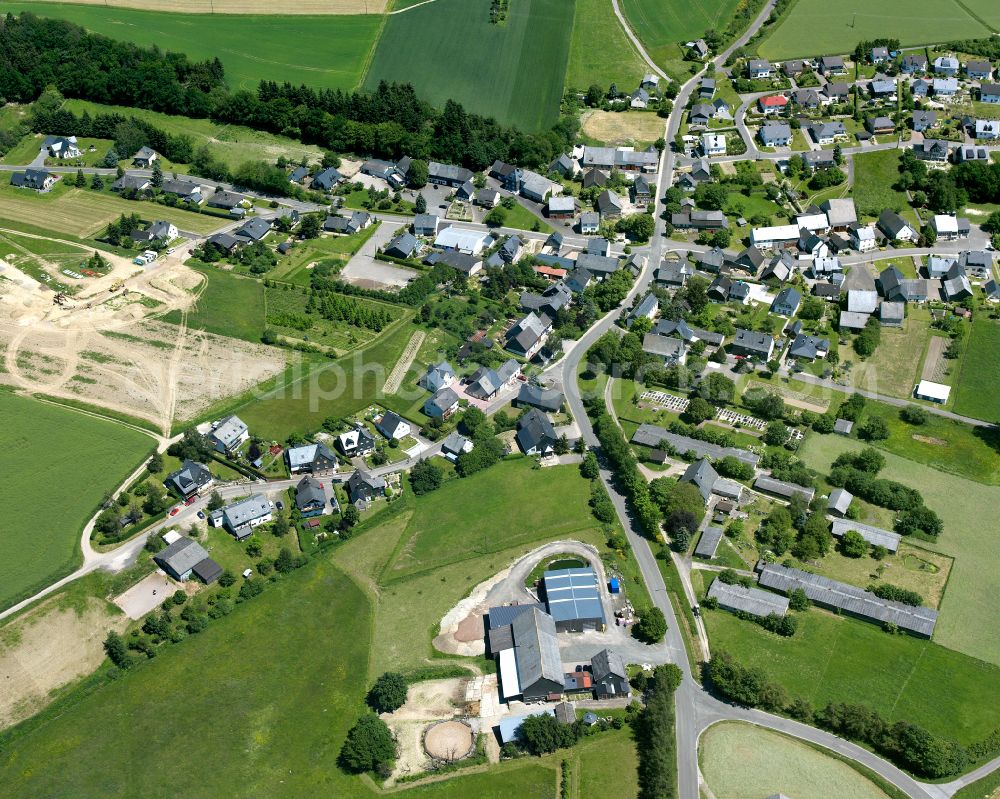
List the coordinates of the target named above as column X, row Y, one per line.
column 975, row 16
column 902, row 688
column 395, row 378
column 410, row 8
column 367, row 65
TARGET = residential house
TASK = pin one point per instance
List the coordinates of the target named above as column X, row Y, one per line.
column 363, row 486
column 508, row 175
column 879, row 55
column 590, row 222
column 979, row 70
column 426, row 224
column 535, row 433
column 780, row 268
column 377, row 168
column 437, row 376
column 863, row 238
column 310, row 498
column 774, row 236
column 298, row 175
column 562, row 207
column 227, row 436
column 827, row 132
column 776, row 134
column 599, row 266
column 806, row 98
column 946, row 65
column 61, row 147
column 356, row 442
column 880, row 125
column 609, row 675
column 793, row 67
column 838, row 92
column 673, row 273
column 646, row 308
column 939, row 266
column 923, row 120
column 702, row 476
column 752, row 344
column 970, row 152
column 934, row 150
column 454, row 445
column 808, row 347
column 609, row 205
column 564, row 165
column 708, row 220
column 667, row 349
column 992, row 289
column 826, row 267
column 786, row 302
column 832, row 65
column 913, row 62
column 642, row 192
column 466, row 191
column 226, row 200
column 190, row 480
column 895, row 227
column 758, row 68
column 184, row 189
column 347, row 225
column 37, row 179
column 812, row 246
column 486, row 383
column 989, row 93
column 830, row 292
column 772, row 104
column 158, row 232
column 447, row 175
column 224, row 242
column 253, row 230
column 394, row 427
column 487, row 198
column 711, row 261
column 882, row 88
column 956, row 289
column 987, row 129
column 706, row 88
column 819, row 159
column 310, row 458
column 920, row 88
column 241, row 517
column 594, row 177
column 750, row 260
column 945, row 87
column 977, row 263
column 699, row 49
column 186, row 557
column 537, row 187
column 949, row 228
column 713, row 144
column 130, row 183
column 144, row 157
column 639, row 98
column 527, row 336
column 402, row 246
column 442, row 404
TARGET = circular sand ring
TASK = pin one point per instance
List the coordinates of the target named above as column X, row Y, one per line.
column 449, row 740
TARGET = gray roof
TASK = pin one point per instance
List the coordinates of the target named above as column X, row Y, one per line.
column 783, row 488
column 182, row 188
column 306, row 454
column 536, row 648
column 875, row 536
column 753, row 340
column 404, row 243
column 181, row 556
column 390, row 423
column 850, row 599
column 709, row 542
column 453, row 174
column 747, row 600
column 229, row 431
column 572, row 594
column 454, row 443
column 663, row 346
column 597, row 264
column 546, row 399
column 254, row 229
column 859, row 301
column 503, row 615
column 607, row 662
column 308, row 491
column 840, row 500
column 190, row 477
column 702, row 475
column 424, row 221
column 535, row 431
column 246, row 511
column 806, row 346
column 651, row 435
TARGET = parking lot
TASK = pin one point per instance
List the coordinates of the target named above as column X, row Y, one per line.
column 146, row 595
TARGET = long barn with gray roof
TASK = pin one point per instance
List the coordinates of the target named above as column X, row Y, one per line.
column 741, row 599
column 782, row 488
column 651, row 435
column 849, row 599
column 875, row 536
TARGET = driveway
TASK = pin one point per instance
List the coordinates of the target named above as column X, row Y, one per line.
column 147, row 594
column 365, row 271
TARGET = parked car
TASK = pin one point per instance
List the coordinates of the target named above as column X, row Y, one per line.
column 190, row 500
column 175, row 511
column 279, row 505
column 201, row 514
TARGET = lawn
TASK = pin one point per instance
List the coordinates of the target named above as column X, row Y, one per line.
column 874, row 175
column 600, row 52
column 975, row 391
column 472, row 517
column 741, row 760
column 83, row 213
column 606, row 764
column 815, row 27
column 45, row 500
column 229, row 305
column 661, row 25
column 231, row 144
column 894, row 369
column 449, row 50
column 968, row 612
column 321, row 51
column 838, row 659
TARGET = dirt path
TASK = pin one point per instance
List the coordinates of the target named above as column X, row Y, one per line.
column 395, row 378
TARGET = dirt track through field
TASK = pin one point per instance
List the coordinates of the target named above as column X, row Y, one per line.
column 934, row 363
column 310, row 7
column 395, row 378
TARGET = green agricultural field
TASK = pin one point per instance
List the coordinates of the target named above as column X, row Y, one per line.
column 815, row 27
column 614, row 61
column 660, row 25
column 874, row 175
column 471, row 517
column 740, row 760
column 837, row 659
column 45, row 501
column 968, row 614
column 975, row 391
column 893, row 370
column 231, row 144
column 448, row 49
column 321, row 51
column 83, row 213
column 229, row 305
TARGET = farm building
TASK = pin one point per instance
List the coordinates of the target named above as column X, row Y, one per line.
column 933, row 392
column 573, row 599
column 839, row 502
column 702, row 476
column 709, row 542
column 651, row 435
column 782, row 488
column 527, row 651
column 741, row 599
column 849, row 599
column 873, row 535
column 610, row 678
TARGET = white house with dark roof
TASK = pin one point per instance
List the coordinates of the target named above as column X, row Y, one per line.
column 241, row 517
column 228, row 434
column 310, row 458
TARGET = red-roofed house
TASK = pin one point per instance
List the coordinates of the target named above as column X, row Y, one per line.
column 772, row 104
column 550, row 272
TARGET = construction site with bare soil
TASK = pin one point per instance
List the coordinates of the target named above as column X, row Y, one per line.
column 104, row 344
